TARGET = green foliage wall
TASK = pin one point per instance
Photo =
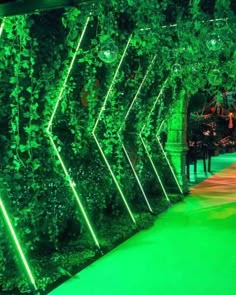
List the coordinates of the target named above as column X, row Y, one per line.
column 35, row 52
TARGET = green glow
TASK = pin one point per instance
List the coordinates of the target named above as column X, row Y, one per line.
column 67, row 76
column 145, row 146
column 111, row 86
column 138, row 91
column 167, row 160
column 95, row 127
column 71, row 183
column 158, row 131
column 114, row 178
column 8, row 221
column 136, row 177
column 156, row 261
column 123, row 123
column 16, row 241
column 175, row 25
column 154, row 168
column 154, row 105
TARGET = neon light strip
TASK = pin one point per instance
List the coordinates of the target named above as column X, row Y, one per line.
column 160, row 127
column 168, row 162
column 67, row 76
column 114, row 178
column 145, row 147
column 8, row 222
column 18, row 246
column 95, row 127
column 71, row 183
column 123, row 146
column 111, row 85
column 138, row 91
column 154, row 168
column 2, row 26
column 136, row 177
column 175, row 25
column 154, row 105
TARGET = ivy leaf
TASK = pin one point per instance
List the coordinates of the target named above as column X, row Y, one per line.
column 26, row 115
column 104, row 38
column 29, row 89
column 12, row 80
column 131, row 2
column 8, row 50
column 16, row 164
column 36, row 165
column 34, row 144
column 64, row 22
column 21, row 100
column 197, row 25
column 27, row 230
column 25, row 65
column 22, row 148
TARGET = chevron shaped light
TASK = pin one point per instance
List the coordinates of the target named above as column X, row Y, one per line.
column 96, row 125
column 166, row 157
column 50, row 135
column 122, row 127
column 145, row 145
column 17, row 244
column 9, row 224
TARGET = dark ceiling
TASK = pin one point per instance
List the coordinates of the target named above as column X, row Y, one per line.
column 14, row 7
column 178, row 7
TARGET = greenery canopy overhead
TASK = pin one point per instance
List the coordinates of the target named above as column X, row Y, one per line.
column 191, row 53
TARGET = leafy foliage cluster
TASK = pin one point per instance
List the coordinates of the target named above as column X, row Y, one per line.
column 35, row 52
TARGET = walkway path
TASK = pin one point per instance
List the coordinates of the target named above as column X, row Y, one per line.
column 191, row 249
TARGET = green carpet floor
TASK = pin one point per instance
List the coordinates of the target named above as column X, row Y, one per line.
column 191, row 249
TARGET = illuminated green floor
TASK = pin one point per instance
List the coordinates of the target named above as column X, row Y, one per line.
column 217, row 163
column 190, row 250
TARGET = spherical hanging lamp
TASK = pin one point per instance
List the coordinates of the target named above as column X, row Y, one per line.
column 176, row 69
column 213, row 42
column 108, row 52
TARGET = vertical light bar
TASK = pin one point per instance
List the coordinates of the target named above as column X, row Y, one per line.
column 17, row 243
column 138, row 91
column 155, row 102
column 96, row 125
column 111, row 86
column 122, row 125
column 8, row 221
column 160, row 127
column 167, row 160
column 154, row 168
column 72, row 185
column 2, row 26
column 67, row 77
column 48, row 131
column 136, row 177
column 145, row 146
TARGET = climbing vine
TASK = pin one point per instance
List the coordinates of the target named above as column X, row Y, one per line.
column 191, row 52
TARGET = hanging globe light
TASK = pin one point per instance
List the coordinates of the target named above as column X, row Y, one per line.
column 213, row 42
column 176, row 69
column 108, row 52
column 221, row 23
column 214, row 77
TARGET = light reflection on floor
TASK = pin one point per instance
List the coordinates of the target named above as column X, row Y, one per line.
column 191, row 249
